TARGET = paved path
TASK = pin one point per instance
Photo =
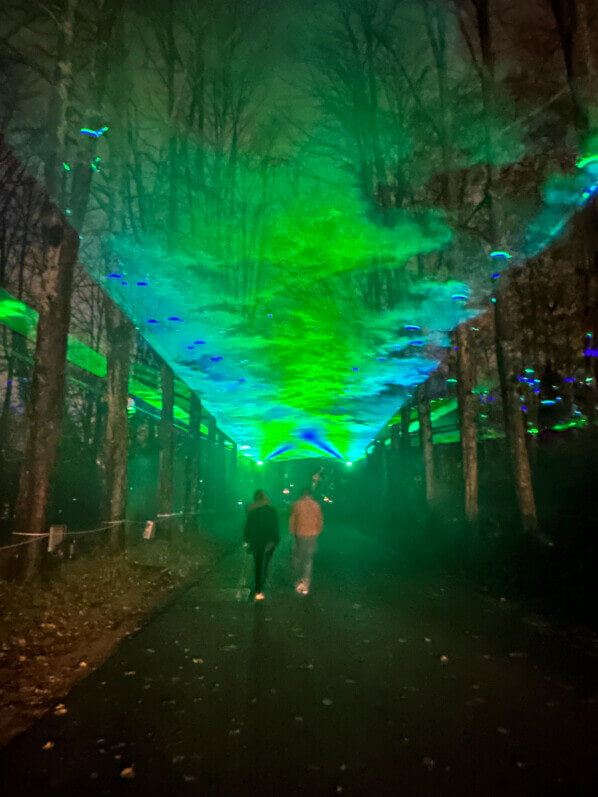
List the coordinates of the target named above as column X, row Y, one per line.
column 346, row 691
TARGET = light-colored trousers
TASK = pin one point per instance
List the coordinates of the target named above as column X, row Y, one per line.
column 304, row 549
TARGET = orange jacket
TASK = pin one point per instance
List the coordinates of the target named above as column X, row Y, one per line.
column 306, row 517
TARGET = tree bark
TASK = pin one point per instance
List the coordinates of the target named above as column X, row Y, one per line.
column 193, row 459
column 405, row 424
column 119, row 334
column 426, row 441
column 60, row 248
column 514, row 429
column 58, row 106
column 166, row 466
column 571, row 35
column 467, row 424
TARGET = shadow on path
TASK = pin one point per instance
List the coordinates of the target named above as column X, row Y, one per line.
column 382, row 681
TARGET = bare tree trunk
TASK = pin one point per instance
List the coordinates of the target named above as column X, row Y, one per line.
column 193, row 455
column 467, row 424
column 119, row 334
column 210, row 469
column 572, row 36
column 166, row 467
column 514, row 429
column 60, row 248
column 405, row 424
column 426, row 441
column 57, row 111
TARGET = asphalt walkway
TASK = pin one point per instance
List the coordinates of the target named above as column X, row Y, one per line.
column 382, row 681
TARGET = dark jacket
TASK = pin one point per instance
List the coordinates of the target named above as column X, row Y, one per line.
column 261, row 527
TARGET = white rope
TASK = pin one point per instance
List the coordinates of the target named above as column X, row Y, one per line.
column 40, row 535
column 18, row 544
column 89, row 531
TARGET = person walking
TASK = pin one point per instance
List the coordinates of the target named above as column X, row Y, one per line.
column 262, row 535
column 305, row 524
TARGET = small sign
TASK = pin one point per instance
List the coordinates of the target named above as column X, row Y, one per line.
column 56, row 536
column 149, row 530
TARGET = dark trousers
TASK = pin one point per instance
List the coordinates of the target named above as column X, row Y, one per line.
column 261, row 559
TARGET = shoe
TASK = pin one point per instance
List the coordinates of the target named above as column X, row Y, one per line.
column 259, row 596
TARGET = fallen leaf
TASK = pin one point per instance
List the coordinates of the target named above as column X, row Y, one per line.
column 128, row 772
column 48, row 746
column 327, row 701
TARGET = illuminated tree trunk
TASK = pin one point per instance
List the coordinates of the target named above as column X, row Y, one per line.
column 60, row 248
column 166, row 465
column 116, row 444
column 467, row 424
column 514, row 428
column 210, row 469
column 571, row 21
column 193, row 460
column 58, row 106
column 405, row 424
column 505, row 354
column 426, row 441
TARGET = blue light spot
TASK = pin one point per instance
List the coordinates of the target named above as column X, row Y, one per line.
column 355, row 369
column 459, row 297
column 114, row 276
column 496, row 275
column 190, row 347
column 142, row 283
column 412, row 326
column 151, row 321
column 199, row 342
column 569, row 380
column 174, row 318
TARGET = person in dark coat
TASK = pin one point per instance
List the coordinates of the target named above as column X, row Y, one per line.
column 262, row 535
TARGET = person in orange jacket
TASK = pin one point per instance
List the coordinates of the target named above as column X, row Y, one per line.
column 305, row 524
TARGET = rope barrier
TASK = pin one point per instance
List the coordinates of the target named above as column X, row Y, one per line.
column 36, row 536
column 25, row 542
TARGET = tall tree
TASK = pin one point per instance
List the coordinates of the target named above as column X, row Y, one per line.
column 60, row 248
column 118, row 333
column 192, row 469
column 503, row 321
column 467, row 423
column 166, row 465
column 426, row 439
